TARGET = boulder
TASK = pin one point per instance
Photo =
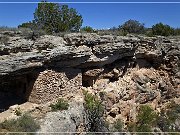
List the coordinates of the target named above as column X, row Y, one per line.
column 64, row 121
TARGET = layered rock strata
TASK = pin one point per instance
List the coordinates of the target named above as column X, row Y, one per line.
column 51, row 66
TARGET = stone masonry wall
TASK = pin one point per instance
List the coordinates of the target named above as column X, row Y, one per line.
column 52, row 84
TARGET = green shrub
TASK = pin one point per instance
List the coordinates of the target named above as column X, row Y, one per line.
column 60, row 105
column 167, row 118
column 149, row 33
column 54, row 18
column 163, row 122
column 162, row 29
column 146, row 119
column 132, row 26
column 87, row 29
column 30, row 25
column 23, row 124
column 131, row 126
column 118, row 125
column 92, row 103
column 177, row 31
column 94, row 110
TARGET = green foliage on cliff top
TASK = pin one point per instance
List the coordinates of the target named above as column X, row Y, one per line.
column 132, row 26
column 55, row 18
column 162, row 29
column 87, row 29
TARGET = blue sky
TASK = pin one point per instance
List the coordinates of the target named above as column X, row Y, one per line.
column 99, row 15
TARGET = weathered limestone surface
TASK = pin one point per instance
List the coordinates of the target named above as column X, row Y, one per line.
column 47, row 67
column 83, row 50
column 66, row 121
column 124, row 72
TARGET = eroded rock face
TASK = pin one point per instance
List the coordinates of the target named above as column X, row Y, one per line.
column 124, row 72
column 137, row 86
column 63, row 52
column 66, row 63
column 67, row 121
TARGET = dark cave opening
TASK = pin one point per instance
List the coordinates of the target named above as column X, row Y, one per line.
column 113, row 79
column 112, row 114
column 87, row 81
column 16, row 90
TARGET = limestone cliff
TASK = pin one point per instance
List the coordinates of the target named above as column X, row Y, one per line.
column 130, row 70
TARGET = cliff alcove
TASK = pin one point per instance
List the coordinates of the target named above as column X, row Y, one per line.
column 16, row 89
column 56, row 66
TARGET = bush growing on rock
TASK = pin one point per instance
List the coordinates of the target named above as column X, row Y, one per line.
column 118, row 125
column 165, row 121
column 94, row 110
column 25, row 123
column 60, row 105
column 146, row 119
column 167, row 118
